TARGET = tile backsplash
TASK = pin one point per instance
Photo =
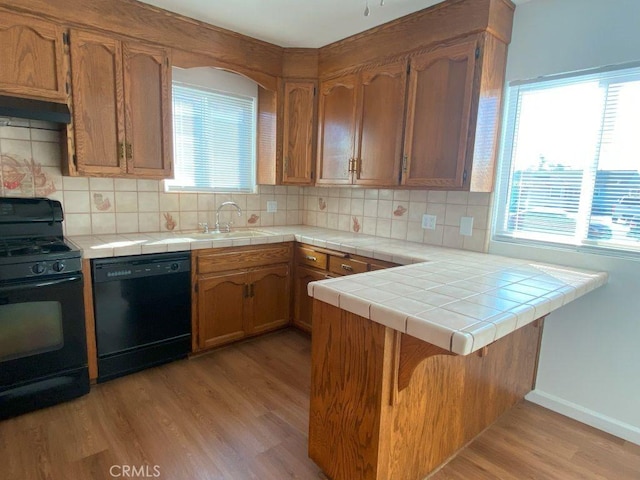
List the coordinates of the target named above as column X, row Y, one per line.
column 398, row 214
column 30, row 166
column 30, row 159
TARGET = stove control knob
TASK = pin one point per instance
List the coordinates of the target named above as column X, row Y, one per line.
column 175, row 267
column 58, row 266
column 39, row 268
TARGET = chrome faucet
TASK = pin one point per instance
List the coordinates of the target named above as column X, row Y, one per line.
column 227, row 225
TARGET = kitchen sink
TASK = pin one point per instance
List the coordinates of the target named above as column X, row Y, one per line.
column 232, row 234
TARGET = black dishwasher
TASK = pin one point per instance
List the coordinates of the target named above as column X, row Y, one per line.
column 142, row 309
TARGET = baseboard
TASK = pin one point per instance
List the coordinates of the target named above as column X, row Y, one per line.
column 586, row 416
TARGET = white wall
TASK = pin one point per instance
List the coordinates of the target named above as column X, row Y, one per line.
column 590, row 359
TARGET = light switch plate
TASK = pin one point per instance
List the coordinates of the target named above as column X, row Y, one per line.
column 466, row 226
column 272, row 206
column 429, row 222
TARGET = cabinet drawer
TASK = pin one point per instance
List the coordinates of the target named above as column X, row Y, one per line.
column 311, row 258
column 381, row 265
column 243, row 257
column 347, row 266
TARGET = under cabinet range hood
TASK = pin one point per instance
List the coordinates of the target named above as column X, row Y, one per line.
column 14, row 107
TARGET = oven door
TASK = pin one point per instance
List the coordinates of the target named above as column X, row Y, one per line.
column 42, row 330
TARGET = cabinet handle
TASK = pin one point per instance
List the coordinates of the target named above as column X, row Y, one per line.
column 129, row 148
column 351, row 165
column 346, row 267
column 311, row 258
column 121, row 150
column 404, row 163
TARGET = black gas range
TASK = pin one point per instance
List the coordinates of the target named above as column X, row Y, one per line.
column 43, row 357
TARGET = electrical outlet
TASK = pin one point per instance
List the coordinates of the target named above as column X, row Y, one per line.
column 429, row 222
column 466, row 226
column 272, row 206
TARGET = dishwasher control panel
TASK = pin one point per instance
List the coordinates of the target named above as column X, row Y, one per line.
column 123, row 268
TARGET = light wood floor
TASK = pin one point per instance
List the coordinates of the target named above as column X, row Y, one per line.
column 241, row 413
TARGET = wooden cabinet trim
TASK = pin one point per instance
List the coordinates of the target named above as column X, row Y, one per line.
column 161, row 27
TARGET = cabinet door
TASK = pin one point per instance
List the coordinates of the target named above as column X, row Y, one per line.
column 336, row 130
column 299, row 109
column 269, row 298
column 381, row 98
column 98, row 114
column 438, row 115
column 31, row 58
column 302, row 302
column 221, row 309
column 147, row 88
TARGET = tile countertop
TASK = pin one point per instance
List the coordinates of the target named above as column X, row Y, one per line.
column 458, row 300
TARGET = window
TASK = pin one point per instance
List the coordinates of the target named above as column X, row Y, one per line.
column 214, row 133
column 570, row 165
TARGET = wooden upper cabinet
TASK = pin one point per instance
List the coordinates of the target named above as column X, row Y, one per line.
column 147, row 88
column 31, row 55
column 380, row 120
column 298, row 134
column 336, row 130
column 121, row 108
column 438, row 117
column 360, row 127
column 98, row 112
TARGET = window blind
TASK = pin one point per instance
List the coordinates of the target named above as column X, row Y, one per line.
column 570, row 163
column 214, row 141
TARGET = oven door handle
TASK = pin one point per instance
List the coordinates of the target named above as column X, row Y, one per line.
column 41, row 283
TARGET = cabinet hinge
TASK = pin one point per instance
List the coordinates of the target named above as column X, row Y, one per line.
column 464, row 176
column 65, row 38
column 477, row 52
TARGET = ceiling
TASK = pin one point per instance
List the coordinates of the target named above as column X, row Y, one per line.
column 295, row 23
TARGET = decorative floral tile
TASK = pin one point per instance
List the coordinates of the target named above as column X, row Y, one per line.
column 356, row 225
column 25, row 177
column 170, row 223
column 400, row 211
column 101, row 202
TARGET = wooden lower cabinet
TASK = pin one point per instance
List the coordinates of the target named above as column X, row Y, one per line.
column 303, row 303
column 239, row 292
column 221, row 309
column 316, row 263
column 269, row 298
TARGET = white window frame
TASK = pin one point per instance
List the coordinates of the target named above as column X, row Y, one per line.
column 211, row 80
column 504, row 172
